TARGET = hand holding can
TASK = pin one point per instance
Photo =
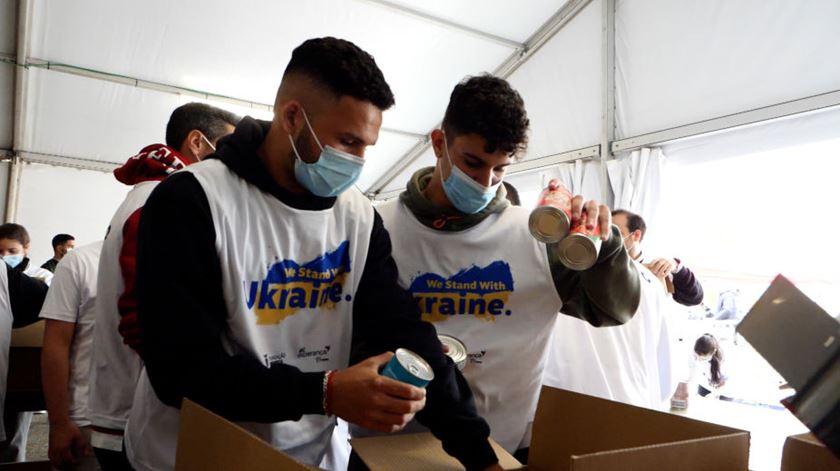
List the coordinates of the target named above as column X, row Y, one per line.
column 409, row 367
column 551, row 219
column 362, row 396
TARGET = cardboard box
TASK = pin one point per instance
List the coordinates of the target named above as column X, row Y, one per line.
column 416, row 452
column 802, row 342
column 805, row 453
column 29, row 336
column 575, row 432
column 208, row 441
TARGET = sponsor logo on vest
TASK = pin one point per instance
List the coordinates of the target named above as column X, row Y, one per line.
column 290, row 287
column 274, row 359
column 319, row 355
column 478, row 292
column 477, row 358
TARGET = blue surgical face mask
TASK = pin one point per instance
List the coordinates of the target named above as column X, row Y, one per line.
column 333, row 172
column 13, row 260
column 463, row 192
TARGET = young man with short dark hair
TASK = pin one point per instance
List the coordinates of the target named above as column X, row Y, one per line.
column 115, row 367
column 281, row 264
column 476, row 272
column 61, row 244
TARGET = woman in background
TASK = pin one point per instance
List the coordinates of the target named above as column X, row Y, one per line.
column 706, row 351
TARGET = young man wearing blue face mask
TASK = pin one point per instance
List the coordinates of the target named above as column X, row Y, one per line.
column 477, row 273
column 281, row 264
column 14, row 250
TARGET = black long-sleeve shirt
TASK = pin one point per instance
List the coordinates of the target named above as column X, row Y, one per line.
column 26, row 296
column 182, row 316
column 687, row 289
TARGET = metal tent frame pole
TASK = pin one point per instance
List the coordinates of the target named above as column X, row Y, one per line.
column 547, row 31
column 24, row 25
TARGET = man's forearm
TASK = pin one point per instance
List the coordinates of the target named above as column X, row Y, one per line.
column 55, row 371
column 606, row 294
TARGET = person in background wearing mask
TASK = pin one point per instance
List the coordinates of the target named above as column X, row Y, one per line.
column 14, row 249
column 21, row 298
column 61, row 244
column 706, row 351
column 65, row 358
column 191, row 135
column 684, row 286
column 282, row 264
column 467, row 256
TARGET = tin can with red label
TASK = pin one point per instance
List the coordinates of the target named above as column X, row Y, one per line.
column 579, row 250
column 551, row 219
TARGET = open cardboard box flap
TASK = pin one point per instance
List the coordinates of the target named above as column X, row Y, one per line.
column 575, row 432
column 416, row 452
column 805, row 453
column 208, row 441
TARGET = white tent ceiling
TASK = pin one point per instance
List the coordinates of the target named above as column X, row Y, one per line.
column 104, row 75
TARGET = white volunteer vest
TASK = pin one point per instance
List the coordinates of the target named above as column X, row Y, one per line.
column 289, row 277
column 629, row 363
column 115, row 368
column 491, row 287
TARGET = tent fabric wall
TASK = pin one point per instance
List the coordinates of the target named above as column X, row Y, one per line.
column 65, row 200
column 679, row 62
column 636, row 182
column 78, row 117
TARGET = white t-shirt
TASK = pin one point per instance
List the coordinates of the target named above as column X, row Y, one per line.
column 71, row 298
column 6, row 321
column 629, row 363
column 34, row 271
column 491, row 287
column 289, row 277
column 115, row 367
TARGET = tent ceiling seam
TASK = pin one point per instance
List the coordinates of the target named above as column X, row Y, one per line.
column 811, row 104
column 448, row 24
column 126, row 80
column 547, row 31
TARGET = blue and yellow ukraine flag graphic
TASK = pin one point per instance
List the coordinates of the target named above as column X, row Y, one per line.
column 289, row 287
column 482, row 293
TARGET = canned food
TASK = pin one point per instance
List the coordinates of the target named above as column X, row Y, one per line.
column 550, row 220
column 408, row 367
column 456, row 350
column 579, row 250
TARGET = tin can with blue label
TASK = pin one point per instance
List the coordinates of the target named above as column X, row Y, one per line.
column 408, row 367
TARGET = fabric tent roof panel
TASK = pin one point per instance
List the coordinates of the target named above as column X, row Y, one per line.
column 426, row 159
column 78, row 117
column 7, row 105
column 255, row 38
column 502, row 18
column 683, row 62
column 387, row 151
column 8, row 26
column 561, row 87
